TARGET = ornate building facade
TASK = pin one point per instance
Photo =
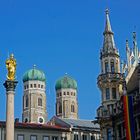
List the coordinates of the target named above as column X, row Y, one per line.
column 115, row 83
column 66, row 126
column 66, row 98
column 131, row 70
column 109, row 81
column 34, row 97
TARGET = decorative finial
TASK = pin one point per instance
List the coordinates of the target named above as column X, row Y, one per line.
column 11, row 67
column 34, row 66
column 127, row 45
column 107, row 11
column 134, row 35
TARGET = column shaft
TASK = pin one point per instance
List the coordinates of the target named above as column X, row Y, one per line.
column 10, row 116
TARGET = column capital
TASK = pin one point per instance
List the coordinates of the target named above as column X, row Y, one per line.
column 10, row 85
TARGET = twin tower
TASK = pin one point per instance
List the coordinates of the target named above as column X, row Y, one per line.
column 34, row 97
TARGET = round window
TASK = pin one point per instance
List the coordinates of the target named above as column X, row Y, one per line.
column 26, row 120
column 41, row 120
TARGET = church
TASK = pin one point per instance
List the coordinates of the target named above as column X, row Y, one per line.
column 118, row 115
column 119, row 83
column 64, row 125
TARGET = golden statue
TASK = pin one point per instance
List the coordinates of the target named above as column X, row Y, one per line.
column 11, row 67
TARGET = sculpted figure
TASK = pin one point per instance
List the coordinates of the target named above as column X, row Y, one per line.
column 11, row 67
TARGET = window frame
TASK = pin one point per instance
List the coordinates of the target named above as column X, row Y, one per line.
column 35, row 86
column 114, row 94
column 92, row 137
column 42, row 86
column 33, row 136
column 84, row 137
column 73, row 107
column 106, row 67
column 31, row 85
column 112, row 66
column 60, row 108
column 40, row 117
column 46, row 136
column 54, row 137
column 76, row 137
column 107, row 92
column 20, row 135
column 109, row 135
column 64, row 138
column 40, row 102
column 26, row 101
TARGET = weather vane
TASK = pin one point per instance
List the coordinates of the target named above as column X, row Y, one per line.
column 11, row 67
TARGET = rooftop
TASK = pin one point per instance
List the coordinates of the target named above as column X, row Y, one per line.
column 36, row 126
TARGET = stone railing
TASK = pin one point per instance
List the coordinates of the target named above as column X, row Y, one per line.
column 110, row 76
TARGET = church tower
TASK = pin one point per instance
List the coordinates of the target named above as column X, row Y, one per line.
column 34, row 97
column 66, row 98
column 109, row 81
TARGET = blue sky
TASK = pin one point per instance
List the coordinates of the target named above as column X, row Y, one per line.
column 62, row 36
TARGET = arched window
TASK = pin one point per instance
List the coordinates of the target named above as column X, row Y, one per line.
column 31, row 85
column 73, row 107
column 60, row 107
column 39, row 101
column 116, row 67
column 109, row 136
column 114, row 93
column 107, row 94
column 112, row 66
column 26, row 101
column 106, row 67
column 92, row 137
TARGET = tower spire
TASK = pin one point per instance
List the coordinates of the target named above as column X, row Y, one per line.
column 135, row 48
column 108, row 25
column 128, row 54
column 109, row 43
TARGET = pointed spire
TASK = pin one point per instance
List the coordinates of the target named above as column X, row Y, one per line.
column 135, row 47
column 108, row 25
column 132, row 55
column 127, row 46
column 109, row 44
column 128, row 54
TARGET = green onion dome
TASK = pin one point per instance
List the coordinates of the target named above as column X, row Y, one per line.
column 34, row 74
column 65, row 83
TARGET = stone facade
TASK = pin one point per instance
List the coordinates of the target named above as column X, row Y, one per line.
column 66, row 98
column 66, row 103
column 110, row 115
column 34, row 102
column 133, row 89
column 110, row 80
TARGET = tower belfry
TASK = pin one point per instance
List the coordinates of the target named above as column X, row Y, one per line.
column 66, row 98
column 110, row 79
column 34, row 97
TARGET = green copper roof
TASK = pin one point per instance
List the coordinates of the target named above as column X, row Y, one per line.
column 65, row 82
column 34, row 74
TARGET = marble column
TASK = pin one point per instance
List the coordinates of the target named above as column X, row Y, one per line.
column 10, row 92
